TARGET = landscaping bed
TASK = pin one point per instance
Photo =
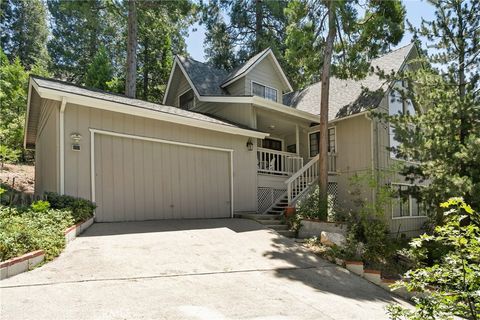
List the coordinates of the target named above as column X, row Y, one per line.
column 40, row 226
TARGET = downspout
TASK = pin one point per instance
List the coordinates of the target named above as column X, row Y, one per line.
column 62, row 145
column 372, row 155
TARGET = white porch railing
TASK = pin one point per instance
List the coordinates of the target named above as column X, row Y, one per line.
column 278, row 162
column 301, row 181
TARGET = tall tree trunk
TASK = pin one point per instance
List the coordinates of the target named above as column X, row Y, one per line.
column 323, row 139
column 131, row 81
column 145, row 69
column 258, row 25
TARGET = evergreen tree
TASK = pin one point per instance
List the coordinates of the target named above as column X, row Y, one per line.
column 444, row 139
column 13, row 100
column 218, row 46
column 254, row 25
column 100, row 71
column 24, row 31
column 162, row 28
column 78, row 29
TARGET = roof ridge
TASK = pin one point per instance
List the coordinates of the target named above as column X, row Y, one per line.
column 394, row 50
column 379, row 57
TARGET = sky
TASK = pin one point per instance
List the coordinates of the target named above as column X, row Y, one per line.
column 416, row 9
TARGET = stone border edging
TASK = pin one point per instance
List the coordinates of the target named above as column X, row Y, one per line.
column 72, row 232
column 374, row 276
column 29, row 260
column 20, row 264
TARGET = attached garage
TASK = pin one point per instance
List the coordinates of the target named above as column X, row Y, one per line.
column 137, row 178
column 138, row 160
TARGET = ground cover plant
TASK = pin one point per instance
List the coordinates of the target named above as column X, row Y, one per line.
column 39, row 226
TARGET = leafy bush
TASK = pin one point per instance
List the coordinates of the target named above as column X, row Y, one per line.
column 8, row 155
column 81, row 209
column 309, row 206
column 22, row 231
column 453, row 280
column 40, row 206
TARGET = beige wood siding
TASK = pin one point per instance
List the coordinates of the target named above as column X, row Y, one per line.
column 389, row 168
column 238, row 113
column 238, row 88
column 178, row 86
column 145, row 180
column 265, row 73
column 79, row 119
column 353, row 157
column 47, row 148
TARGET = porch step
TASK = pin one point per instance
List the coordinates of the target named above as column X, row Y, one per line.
column 286, row 233
column 256, row 216
column 277, row 227
column 269, row 222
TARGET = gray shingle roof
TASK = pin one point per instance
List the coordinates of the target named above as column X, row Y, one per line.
column 348, row 96
column 206, row 79
column 241, row 70
column 78, row 90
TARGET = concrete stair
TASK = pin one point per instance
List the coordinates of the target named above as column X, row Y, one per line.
column 272, row 221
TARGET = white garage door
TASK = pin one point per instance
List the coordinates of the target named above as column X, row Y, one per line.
column 139, row 180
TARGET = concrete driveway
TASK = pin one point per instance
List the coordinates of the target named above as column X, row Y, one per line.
column 194, row 269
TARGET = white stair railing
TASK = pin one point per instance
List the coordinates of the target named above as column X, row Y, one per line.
column 278, row 162
column 302, row 180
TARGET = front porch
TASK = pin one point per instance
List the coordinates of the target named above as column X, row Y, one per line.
column 287, row 162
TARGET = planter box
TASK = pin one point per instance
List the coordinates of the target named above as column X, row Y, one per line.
column 372, row 276
column 355, row 267
column 72, row 232
column 313, row 228
column 20, row 264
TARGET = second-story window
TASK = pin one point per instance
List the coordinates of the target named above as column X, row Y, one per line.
column 187, row 100
column 264, row 91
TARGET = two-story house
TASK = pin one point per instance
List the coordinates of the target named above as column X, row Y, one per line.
column 221, row 143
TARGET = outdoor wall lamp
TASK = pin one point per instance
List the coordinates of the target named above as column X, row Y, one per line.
column 76, row 137
column 250, row 144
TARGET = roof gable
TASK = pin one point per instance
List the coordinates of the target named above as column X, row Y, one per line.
column 250, row 65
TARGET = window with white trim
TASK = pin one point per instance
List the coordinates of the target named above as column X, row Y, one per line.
column 397, row 105
column 314, row 138
column 405, row 204
column 187, row 100
column 260, row 90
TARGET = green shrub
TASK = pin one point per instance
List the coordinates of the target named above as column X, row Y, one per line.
column 40, row 206
column 22, row 231
column 452, row 280
column 309, row 206
column 81, row 209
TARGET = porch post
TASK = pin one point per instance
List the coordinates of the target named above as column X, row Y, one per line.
column 297, row 139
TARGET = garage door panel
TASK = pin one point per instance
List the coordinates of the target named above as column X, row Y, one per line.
column 145, row 180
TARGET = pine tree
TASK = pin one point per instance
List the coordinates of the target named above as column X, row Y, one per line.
column 254, row 25
column 78, row 29
column 444, row 139
column 24, row 31
column 161, row 34
column 218, row 45
column 100, row 71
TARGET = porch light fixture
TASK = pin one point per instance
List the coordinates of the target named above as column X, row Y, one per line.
column 76, row 137
column 250, row 144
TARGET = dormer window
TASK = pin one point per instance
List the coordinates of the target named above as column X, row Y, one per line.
column 260, row 90
column 187, row 100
